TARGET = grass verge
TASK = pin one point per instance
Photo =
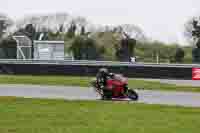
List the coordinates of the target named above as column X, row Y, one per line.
column 84, row 82
column 20, row 115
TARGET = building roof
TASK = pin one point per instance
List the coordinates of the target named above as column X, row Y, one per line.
column 49, row 42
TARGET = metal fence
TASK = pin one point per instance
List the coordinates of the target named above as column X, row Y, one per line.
column 87, row 62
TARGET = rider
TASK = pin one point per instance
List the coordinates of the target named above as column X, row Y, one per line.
column 103, row 75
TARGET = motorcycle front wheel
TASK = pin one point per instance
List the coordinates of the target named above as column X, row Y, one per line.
column 132, row 95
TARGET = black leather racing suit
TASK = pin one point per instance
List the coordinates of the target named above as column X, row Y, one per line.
column 102, row 79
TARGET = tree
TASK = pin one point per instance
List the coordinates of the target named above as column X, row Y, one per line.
column 179, row 56
column 126, row 50
column 84, row 48
column 61, row 28
column 72, row 30
column 192, row 29
column 8, row 48
column 30, row 31
column 82, row 30
column 54, row 22
column 5, row 22
column 192, row 33
column 155, row 51
column 46, row 21
column 55, row 36
column 129, row 35
column 131, row 31
column 108, row 42
column 76, row 48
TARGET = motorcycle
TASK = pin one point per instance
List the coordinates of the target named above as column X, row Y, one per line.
column 117, row 89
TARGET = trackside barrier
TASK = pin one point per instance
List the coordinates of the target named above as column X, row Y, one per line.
column 90, row 68
column 195, row 73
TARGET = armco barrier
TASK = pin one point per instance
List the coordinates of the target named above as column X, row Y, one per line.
column 90, row 68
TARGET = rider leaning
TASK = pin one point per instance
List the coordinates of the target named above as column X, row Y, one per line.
column 102, row 76
column 109, row 87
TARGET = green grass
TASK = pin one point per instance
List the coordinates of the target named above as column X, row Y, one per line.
column 20, row 115
column 45, row 80
column 84, row 82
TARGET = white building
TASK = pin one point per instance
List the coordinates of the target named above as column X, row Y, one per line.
column 49, row 50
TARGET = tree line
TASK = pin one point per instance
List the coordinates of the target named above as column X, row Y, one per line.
column 89, row 42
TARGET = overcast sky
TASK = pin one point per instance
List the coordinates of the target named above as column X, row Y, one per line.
column 160, row 19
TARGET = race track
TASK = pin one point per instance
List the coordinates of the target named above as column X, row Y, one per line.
column 80, row 93
column 195, row 83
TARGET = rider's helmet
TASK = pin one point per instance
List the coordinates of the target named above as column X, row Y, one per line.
column 103, row 71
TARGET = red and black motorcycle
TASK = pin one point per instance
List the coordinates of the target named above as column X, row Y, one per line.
column 117, row 88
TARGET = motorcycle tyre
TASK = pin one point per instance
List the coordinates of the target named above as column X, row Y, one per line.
column 132, row 95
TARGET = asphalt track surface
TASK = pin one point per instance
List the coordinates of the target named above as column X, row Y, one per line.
column 186, row 99
column 195, row 83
